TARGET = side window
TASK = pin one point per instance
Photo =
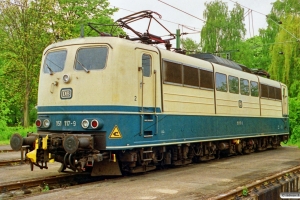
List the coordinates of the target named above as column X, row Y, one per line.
column 272, row 92
column 233, row 84
column 264, row 91
column 254, row 88
column 146, row 64
column 54, row 61
column 278, row 94
column 172, row 72
column 91, row 58
column 221, row 82
column 190, row 76
column 206, row 79
column 244, row 85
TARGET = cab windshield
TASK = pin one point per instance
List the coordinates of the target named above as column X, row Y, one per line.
column 54, row 62
column 93, row 58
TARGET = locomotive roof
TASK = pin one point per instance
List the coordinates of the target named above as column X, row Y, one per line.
column 81, row 40
column 215, row 59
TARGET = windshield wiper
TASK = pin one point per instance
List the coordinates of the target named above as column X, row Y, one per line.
column 83, row 67
column 53, row 64
column 49, row 68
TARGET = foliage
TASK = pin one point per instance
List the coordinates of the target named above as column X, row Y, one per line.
column 4, row 110
column 67, row 16
column 24, row 37
column 26, row 28
column 294, row 119
column 282, row 39
column 224, row 29
column 190, row 46
column 285, row 52
column 281, row 46
column 46, row 187
column 6, row 132
column 251, row 54
column 245, row 191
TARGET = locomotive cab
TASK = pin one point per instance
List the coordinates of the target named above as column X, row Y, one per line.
column 84, row 85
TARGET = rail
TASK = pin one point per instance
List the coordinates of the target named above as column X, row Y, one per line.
column 5, row 187
column 10, row 162
column 265, row 183
column 7, row 150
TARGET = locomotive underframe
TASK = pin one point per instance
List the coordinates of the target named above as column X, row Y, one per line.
column 78, row 153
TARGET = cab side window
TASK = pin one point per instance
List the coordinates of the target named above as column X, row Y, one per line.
column 146, row 64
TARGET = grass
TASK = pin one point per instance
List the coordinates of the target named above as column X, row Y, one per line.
column 6, row 132
column 293, row 144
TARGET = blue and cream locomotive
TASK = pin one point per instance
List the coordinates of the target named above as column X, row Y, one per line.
column 108, row 104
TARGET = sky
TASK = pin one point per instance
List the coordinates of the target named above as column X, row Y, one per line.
column 191, row 14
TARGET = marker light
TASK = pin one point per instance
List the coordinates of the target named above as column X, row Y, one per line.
column 85, row 123
column 94, row 123
column 38, row 123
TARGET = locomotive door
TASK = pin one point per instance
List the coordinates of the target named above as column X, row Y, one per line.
column 147, row 89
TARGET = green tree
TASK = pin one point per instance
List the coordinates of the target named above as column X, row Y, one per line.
column 285, row 49
column 190, row 45
column 251, row 54
column 67, row 17
column 224, row 29
column 283, row 36
column 294, row 115
column 26, row 28
column 23, row 36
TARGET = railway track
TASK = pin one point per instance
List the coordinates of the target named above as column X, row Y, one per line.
column 7, row 150
column 11, row 162
column 271, row 186
column 288, row 172
column 37, row 185
column 25, row 184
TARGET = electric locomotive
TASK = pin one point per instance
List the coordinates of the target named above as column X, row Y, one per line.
column 109, row 105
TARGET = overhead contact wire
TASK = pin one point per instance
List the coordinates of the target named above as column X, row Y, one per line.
column 270, row 19
column 182, row 11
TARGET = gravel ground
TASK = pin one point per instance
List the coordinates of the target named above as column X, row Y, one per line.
column 195, row 181
column 22, row 172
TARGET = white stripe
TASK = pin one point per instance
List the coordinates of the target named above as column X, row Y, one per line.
column 157, row 113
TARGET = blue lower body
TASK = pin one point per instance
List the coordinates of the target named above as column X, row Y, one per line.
column 155, row 129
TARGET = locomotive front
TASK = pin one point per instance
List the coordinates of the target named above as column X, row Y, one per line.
column 77, row 101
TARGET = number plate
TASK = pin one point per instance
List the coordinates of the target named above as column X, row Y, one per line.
column 66, row 93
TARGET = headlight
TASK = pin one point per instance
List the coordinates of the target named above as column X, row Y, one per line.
column 85, row 123
column 66, row 78
column 46, row 123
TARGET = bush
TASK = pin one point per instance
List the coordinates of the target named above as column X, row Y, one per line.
column 6, row 132
column 294, row 119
